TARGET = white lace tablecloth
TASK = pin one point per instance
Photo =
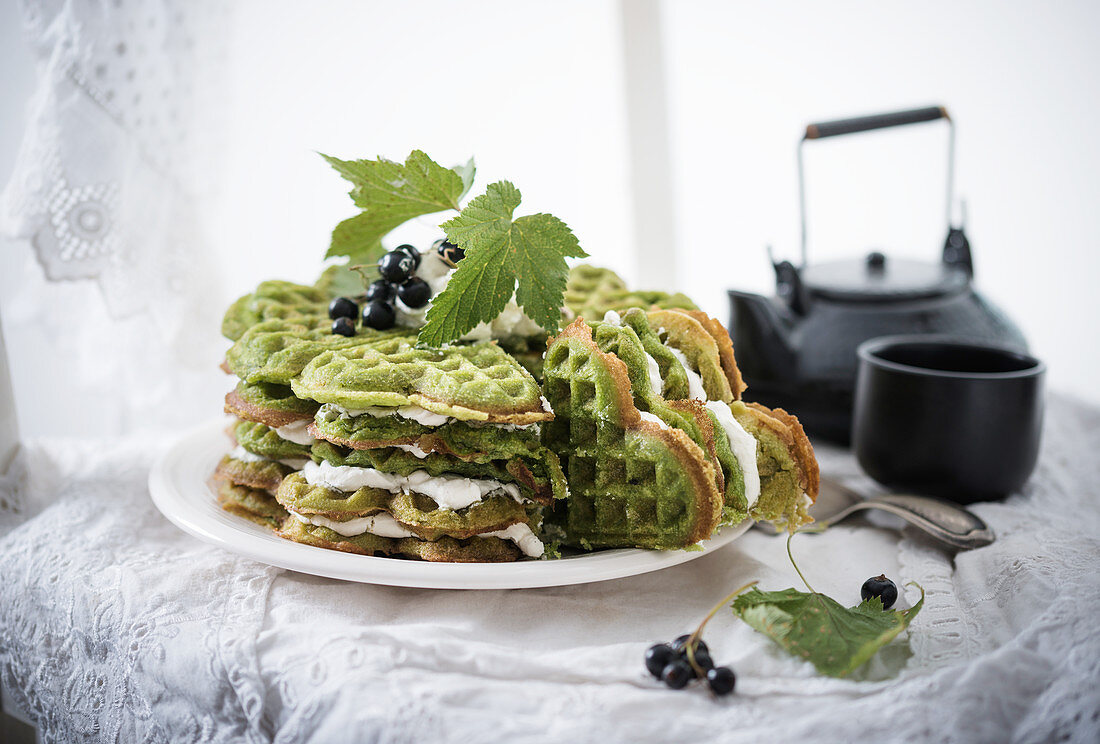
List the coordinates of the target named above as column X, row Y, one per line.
column 117, row 627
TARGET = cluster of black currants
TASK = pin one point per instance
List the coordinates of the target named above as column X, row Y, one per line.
column 675, row 666
column 399, row 281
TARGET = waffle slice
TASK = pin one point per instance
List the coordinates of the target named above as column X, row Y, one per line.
column 272, row 300
column 633, row 480
column 478, row 382
column 647, row 360
column 591, row 291
column 378, row 521
column 704, row 344
column 789, row 475
column 253, row 504
column 276, row 351
column 444, row 550
column 268, row 404
column 536, row 472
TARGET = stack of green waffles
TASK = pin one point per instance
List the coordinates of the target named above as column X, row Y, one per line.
column 635, row 435
column 370, row 445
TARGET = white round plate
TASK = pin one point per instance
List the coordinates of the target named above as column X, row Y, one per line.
column 178, row 484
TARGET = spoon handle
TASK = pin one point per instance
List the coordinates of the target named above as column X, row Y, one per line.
column 947, row 522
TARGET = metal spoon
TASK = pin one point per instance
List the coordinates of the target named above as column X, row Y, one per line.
column 947, row 522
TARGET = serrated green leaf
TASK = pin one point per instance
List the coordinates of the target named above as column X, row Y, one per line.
column 356, row 238
column 812, row 626
column 391, row 193
column 525, row 255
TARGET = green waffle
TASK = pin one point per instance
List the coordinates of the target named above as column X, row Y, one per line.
column 274, row 405
column 276, row 351
column 416, row 513
column 445, row 549
column 264, row 441
column 632, row 483
column 252, row 504
column 630, row 342
column 265, row 475
column 538, row 475
column 786, row 463
column 592, row 291
column 707, row 347
column 478, row 382
column 272, row 300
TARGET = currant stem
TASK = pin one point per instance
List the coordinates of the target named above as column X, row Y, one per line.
column 693, row 639
column 796, row 568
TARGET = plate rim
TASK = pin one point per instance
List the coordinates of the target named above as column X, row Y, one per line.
column 172, row 488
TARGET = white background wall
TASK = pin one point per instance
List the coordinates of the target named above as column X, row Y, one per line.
column 534, row 91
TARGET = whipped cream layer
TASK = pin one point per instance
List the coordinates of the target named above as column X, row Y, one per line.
column 451, row 492
column 331, row 411
column 652, row 418
column 240, row 453
column 695, row 382
column 384, row 525
column 743, row 445
column 296, row 432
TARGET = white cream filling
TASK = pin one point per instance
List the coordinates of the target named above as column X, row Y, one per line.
column 414, row 413
column 695, row 382
column 652, row 418
column 522, row 536
column 384, row 525
column 240, row 453
column 743, row 445
column 381, row 524
column 612, row 318
column 296, row 432
column 655, row 381
column 511, row 323
column 413, row 449
column 451, row 492
column 331, row 411
column 545, row 403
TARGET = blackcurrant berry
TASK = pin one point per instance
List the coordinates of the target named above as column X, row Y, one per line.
column 448, row 251
column 380, row 290
column 379, row 315
column 703, row 660
column 344, row 325
column 677, row 674
column 881, row 587
column 415, row 293
column 343, row 307
column 396, row 266
column 411, row 252
column 657, row 658
column 721, row 680
column 680, row 645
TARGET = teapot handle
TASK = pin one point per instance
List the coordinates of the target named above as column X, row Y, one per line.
column 837, row 127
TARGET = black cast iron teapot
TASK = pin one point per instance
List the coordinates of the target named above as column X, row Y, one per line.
column 798, row 349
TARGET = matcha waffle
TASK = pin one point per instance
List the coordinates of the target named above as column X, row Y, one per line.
column 659, row 385
column 633, row 480
column 253, row 504
column 479, row 382
column 272, row 300
column 269, row 404
column 443, row 550
column 591, row 291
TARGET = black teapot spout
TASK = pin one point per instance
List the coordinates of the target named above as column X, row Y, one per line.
column 764, row 330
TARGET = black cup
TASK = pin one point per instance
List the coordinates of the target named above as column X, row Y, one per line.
column 948, row 417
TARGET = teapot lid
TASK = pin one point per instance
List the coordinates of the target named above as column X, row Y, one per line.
column 876, row 279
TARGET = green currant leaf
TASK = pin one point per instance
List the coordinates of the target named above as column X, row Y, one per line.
column 812, row 626
column 525, row 256
column 391, row 193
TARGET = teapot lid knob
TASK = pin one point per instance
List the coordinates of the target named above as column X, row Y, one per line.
column 876, row 261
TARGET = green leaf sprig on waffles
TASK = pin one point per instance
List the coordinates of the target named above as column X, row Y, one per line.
column 425, row 409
